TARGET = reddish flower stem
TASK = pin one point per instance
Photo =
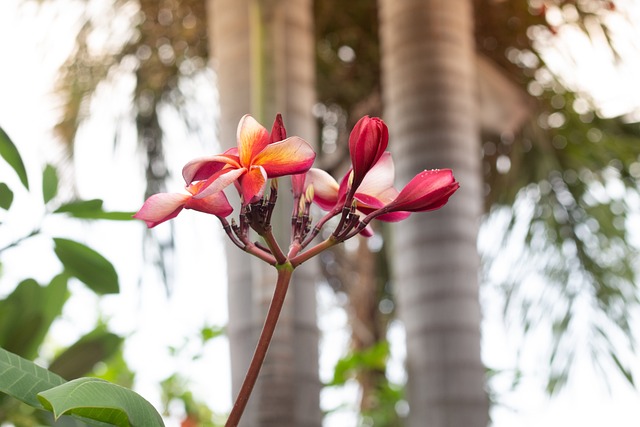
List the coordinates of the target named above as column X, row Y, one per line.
column 273, row 245
column 311, row 252
column 282, row 284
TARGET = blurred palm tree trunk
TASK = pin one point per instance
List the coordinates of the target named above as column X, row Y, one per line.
column 428, row 67
column 262, row 52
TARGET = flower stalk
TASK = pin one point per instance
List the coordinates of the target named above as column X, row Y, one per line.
column 282, row 284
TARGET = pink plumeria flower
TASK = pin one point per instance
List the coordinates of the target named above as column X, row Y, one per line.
column 258, row 157
column 375, row 191
column 367, row 142
column 165, row 206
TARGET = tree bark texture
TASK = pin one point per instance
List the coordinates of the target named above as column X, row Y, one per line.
column 429, row 98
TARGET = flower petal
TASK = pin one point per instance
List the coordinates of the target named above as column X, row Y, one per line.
column 161, row 207
column 252, row 139
column 288, row 157
column 427, row 191
column 215, row 204
column 378, row 182
column 203, row 167
column 325, row 188
column 253, row 184
column 393, row 216
column 367, row 203
column 367, row 231
column 218, row 182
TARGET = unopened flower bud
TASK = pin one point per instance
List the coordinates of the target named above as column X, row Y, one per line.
column 309, row 193
column 301, row 205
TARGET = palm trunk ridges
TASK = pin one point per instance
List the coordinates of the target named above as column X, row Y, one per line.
column 430, row 105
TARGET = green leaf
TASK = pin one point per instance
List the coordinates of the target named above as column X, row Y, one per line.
column 92, row 209
column 10, row 154
column 210, row 332
column 23, row 379
column 100, row 400
column 49, row 183
column 87, row 265
column 28, row 312
column 370, row 358
column 80, row 207
column 625, row 371
column 80, row 359
column 6, row 196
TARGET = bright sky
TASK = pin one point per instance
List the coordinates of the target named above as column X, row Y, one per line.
column 34, row 44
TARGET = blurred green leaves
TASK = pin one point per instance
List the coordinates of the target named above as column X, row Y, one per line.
column 49, row 183
column 81, row 357
column 91, row 209
column 87, row 265
column 27, row 313
column 29, row 310
column 6, row 196
column 10, row 154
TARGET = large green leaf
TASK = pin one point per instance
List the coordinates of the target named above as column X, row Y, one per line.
column 87, row 265
column 6, row 196
column 100, row 400
column 49, row 183
column 28, row 312
column 80, row 359
column 10, row 154
column 92, row 209
column 23, row 379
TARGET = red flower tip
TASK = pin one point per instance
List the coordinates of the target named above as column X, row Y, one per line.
column 278, row 132
column 429, row 190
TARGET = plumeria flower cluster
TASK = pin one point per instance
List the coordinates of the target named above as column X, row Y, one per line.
column 366, row 191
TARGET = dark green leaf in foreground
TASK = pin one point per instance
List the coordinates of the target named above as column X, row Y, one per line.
column 49, row 183
column 87, row 265
column 100, row 400
column 92, row 209
column 23, row 379
column 10, row 154
column 6, row 196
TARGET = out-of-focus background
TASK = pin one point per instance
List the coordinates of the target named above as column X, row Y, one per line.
column 515, row 305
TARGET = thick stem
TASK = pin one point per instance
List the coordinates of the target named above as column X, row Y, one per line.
column 282, row 284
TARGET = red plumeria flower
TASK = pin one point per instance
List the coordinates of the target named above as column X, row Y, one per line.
column 258, row 157
column 376, row 195
column 165, row 206
column 427, row 191
column 367, row 142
